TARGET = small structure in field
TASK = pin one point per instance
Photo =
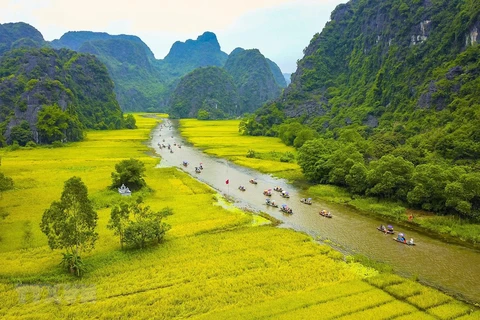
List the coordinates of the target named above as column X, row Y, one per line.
column 124, row 191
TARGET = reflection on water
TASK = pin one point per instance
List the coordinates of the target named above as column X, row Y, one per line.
column 454, row 268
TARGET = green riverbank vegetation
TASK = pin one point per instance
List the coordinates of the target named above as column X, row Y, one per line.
column 223, row 139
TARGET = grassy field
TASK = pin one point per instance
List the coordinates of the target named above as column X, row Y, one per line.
column 216, row 137
column 215, row 263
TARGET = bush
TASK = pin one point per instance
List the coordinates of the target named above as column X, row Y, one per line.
column 287, row 157
column 31, row 144
column 251, row 154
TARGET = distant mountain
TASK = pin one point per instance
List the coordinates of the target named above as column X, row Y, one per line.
column 277, row 73
column 145, row 83
column 287, row 77
column 139, row 83
column 184, row 57
column 253, row 77
column 18, row 35
column 69, row 90
column 205, row 92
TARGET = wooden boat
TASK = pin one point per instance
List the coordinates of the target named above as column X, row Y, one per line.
column 386, row 230
column 271, row 203
column 306, row 200
column 253, row 181
column 285, row 194
column 325, row 214
column 267, row 193
column 241, row 188
column 285, row 209
column 279, row 189
column 408, row 243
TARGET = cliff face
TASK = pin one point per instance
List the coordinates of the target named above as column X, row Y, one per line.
column 18, row 35
column 253, row 77
column 31, row 79
column 209, row 89
column 183, row 57
column 376, row 58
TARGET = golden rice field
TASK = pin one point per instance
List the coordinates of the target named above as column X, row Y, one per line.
column 222, row 139
column 215, row 263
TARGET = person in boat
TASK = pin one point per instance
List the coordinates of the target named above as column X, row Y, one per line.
column 401, row 237
column 390, row 228
column 267, row 201
column 171, row 151
column 201, row 167
column 411, row 241
column 382, row 228
column 272, row 202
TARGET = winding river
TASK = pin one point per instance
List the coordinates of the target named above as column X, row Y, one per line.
column 452, row 268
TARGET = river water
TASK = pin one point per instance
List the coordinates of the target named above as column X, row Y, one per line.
column 450, row 267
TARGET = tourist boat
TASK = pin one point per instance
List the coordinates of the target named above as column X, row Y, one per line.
column 325, row 214
column 285, row 194
column 271, row 203
column 267, row 193
column 306, row 200
column 285, row 209
column 279, row 189
column 253, row 181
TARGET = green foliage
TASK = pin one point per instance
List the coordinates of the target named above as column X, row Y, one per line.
column 6, row 183
column 136, row 225
column 130, row 122
column 401, row 96
column 130, row 173
column 53, row 124
column 21, row 133
column 70, row 224
column 40, row 80
column 251, row 153
column 209, row 89
column 73, row 264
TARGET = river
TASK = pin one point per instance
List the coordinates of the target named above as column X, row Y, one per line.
column 450, row 267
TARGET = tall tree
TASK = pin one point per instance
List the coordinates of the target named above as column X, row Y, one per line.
column 70, row 224
column 130, row 173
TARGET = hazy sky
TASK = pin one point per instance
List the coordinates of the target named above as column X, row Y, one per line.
column 280, row 29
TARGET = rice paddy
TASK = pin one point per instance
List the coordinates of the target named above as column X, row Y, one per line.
column 215, row 263
column 222, row 139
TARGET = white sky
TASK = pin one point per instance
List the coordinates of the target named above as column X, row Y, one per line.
column 280, row 29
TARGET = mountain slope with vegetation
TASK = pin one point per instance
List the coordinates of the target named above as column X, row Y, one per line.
column 253, row 77
column 387, row 99
column 49, row 95
column 184, row 57
column 207, row 93
column 19, row 35
column 139, row 84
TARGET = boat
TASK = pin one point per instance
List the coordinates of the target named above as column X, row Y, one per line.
column 279, row 189
column 285, row 209
column 267, row 193
column 185, row 163
column 253, row 181
column 306, row 200
column 197, row 170
column 386, row 230
column 401, row 238
column 408, row 243
column 325, row 214
column 241, row 188
column 271, row 203
column 285, row 194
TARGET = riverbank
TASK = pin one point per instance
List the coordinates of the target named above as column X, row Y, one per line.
column 214, row 263
column 222, row 139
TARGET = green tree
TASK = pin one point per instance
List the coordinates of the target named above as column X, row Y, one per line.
column 70, row 224
column 390, row 177
column 130, row 122
column 130, row 173
column 138, row 225
column 21, row 133
column 56, row 125
column 356, row 178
